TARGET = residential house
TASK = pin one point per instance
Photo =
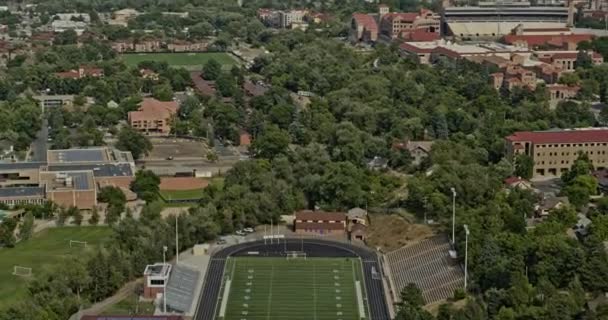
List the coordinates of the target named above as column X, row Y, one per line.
column 548, row 204
column 518, row 183
column 81, row 72
column 153, row 116
column 419, row 150
column 148, row 74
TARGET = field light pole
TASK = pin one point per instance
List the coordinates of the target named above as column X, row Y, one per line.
column 466, row 255
column 164, row 281
column 176, row 242
column 453, row 216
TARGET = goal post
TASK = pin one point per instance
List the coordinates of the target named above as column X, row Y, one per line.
column 22, row 271
column 77, row 243
column 291, row 255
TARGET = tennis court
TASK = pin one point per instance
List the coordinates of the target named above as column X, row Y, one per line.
column 292, row 289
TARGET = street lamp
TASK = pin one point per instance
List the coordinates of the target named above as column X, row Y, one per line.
column 466, row 255
column 164, row 281
column 453, row 216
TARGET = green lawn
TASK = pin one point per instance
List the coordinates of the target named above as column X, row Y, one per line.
column 193, row 61
column 130, row 305
column 44, row 250
column 281, row 289
column 182, row 194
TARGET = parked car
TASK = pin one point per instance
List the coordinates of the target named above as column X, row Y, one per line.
column 248, row 230
column 240, row 233
column 221, row 241
column 169, row 158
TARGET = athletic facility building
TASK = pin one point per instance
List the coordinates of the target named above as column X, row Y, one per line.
column 491, row 20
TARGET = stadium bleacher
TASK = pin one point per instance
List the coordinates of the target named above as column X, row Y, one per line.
column 427, row 264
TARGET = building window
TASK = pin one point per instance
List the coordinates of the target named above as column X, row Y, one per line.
column 157, row 282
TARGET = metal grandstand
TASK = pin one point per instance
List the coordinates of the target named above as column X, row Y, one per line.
column 181, row 287
column 428, row 265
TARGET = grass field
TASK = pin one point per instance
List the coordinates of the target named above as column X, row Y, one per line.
column 130, row 305
column 45, row 249
column 186, row 60
column 298, row 289
column 182, row 194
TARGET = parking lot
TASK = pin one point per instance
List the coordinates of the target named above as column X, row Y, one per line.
column 177, row 148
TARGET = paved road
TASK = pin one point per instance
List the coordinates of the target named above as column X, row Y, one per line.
column 207, row 304
column 39, row 146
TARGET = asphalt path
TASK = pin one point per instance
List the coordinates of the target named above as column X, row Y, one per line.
column 207, row 304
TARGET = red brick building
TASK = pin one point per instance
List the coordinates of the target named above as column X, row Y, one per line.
column 320, row 222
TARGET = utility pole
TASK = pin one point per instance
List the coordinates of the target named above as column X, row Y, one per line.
column 176, row 242
column 425, row 220
column 453, row 216
column 164, row 280
column 466, row 255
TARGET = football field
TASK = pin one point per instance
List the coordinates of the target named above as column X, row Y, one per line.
column 259, row 288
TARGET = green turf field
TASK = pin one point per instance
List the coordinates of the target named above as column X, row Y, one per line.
column 298, row 289
column 182, row 194
column 187, row 60
column 43, row 250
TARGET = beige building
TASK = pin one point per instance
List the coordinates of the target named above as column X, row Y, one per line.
column 554, row 152
column 153, row 116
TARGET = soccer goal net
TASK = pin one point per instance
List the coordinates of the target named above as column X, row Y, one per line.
column 22, row 271
column 296, row 255
column 78, row 244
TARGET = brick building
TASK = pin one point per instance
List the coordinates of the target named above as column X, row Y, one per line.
column 403, row 24
column 566, row 60
column 153, row 116
column 363, row 28
column 554, row 152
column 320, row 222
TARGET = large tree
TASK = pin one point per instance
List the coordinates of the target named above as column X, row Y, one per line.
column 132, row 140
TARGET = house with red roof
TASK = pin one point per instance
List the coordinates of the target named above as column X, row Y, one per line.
column 153, row 116
column 553, row 152
column 81, row 72
column 518, row 182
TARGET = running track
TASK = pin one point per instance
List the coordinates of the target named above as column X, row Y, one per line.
column 207, row 303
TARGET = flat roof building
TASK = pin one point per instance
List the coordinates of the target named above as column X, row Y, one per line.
column 320, row 222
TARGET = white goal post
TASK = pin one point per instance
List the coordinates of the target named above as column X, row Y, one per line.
column 295, row 255
column 22, row 271
column 76, row 243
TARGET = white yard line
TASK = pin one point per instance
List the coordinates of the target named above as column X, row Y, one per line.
column 270, row 294
column 314, row 291
column 225, row 298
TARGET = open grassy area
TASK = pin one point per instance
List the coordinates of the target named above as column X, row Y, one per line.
column 45, row 249
column 130, row 305
column 277, row 288
column 193, row 61
column 181, row 194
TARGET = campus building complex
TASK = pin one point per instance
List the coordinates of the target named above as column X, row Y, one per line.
column 554, row 152
column 153, row 116
column 70, row 177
